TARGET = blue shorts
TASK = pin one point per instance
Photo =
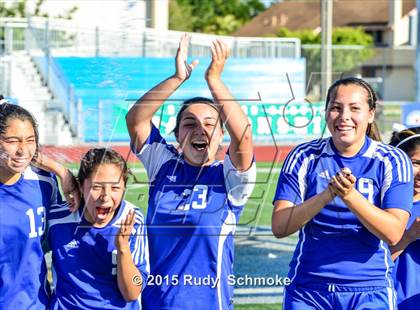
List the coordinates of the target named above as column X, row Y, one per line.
column 339, row 297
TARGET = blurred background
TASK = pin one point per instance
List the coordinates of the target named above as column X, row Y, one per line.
column 78, row 66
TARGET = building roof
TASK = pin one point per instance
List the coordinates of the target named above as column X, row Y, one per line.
column 305, row 14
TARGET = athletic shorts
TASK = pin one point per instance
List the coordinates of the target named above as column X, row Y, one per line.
column 339, row 297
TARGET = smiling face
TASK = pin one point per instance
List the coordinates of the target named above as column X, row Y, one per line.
column 17, row 148
column 199, row 134
column 348, row 117
column 103, row 191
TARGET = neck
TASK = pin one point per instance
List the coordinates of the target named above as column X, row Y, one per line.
column 349, row 150
column 7, row 177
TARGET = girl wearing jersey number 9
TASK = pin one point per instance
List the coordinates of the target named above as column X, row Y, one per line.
column 194, row 200
column 349, row 196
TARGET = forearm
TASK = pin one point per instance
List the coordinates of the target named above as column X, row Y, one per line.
column 52, row 166
column 386, row 226
column 400, row 246
column 128, row 275
column 286, row 221
column 236, row 122
column 141, row 113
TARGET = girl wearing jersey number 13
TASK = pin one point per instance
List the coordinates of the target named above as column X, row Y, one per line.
column 346, row 218
column 26, row 195
column 194, row 200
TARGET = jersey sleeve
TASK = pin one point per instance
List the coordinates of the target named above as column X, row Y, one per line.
column 397, row 188
column 239, row 184
column 139, row 246
column 154, row 153
column 291, row 182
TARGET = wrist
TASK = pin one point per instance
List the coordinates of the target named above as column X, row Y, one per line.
column 329, row 194
column 123, row 250
column 211, row 78
column 349, row 195
column 178, row 78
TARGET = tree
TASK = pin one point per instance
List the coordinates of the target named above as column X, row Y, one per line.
column 344, row 59
column 212, row 16
column 19, row 8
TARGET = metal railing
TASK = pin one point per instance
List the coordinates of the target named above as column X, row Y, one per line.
column 5, row 76
column 44, row 39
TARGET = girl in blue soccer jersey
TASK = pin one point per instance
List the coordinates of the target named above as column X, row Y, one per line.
column 99, row 253
column 349, row 196
column 194, row 200
column 26, row 194
column 407, row 252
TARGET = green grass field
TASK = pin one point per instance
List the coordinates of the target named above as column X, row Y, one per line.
column 257, row 211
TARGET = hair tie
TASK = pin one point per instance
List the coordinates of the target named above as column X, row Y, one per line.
column 407, row 139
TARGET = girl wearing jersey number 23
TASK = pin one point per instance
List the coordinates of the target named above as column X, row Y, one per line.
column 349, row 197
column 194, row 200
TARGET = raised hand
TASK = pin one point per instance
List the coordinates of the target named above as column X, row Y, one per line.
column 69, row 184
column 219, row 54
column 121, row 239
column 342, row 184
column 71, row 190
column 413, row 232
column 183, row 69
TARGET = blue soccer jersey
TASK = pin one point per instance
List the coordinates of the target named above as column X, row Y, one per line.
column 191, row 222
column 85, row 259
column 334, row 247
column 407, row 271
column 23, row 272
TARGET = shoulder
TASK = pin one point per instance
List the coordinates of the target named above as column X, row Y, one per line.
column 394, row 159
column 306, row 151
column 35, row 174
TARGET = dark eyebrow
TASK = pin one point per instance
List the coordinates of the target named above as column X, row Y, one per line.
column 19, row 138
column 186, row 118
column 351, row 103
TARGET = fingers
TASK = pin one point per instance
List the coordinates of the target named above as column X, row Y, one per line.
column 184, row 42
column 127, row 224
column 219, row 50
column 194, row 64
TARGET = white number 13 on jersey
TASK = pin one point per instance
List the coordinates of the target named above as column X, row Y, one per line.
column 33, row 233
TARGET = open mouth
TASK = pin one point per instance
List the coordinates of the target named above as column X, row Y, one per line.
column 199, row 145
column 101, row 211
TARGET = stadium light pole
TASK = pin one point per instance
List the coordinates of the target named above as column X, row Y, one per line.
column 418, row 54
column 326, row 45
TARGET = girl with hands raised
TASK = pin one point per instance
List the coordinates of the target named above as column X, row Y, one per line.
column 195, row 200
column 347, row 219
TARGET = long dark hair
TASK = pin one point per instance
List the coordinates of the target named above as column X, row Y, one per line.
column 372, row 130
column 9, row 112
column 407, row 140
column 97, row 156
